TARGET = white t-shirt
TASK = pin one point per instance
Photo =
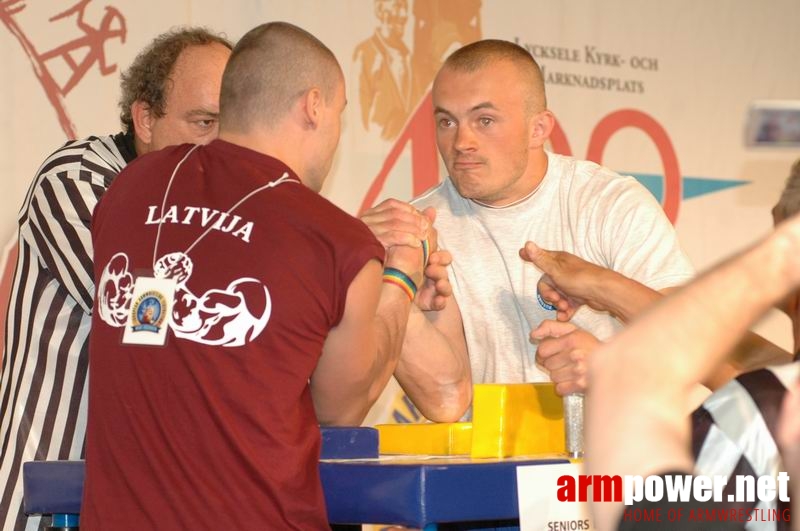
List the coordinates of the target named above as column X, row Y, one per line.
column 580, row 207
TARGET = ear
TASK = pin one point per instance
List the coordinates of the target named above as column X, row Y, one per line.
column 312, row 107
column 142, row 121
column 543, row 124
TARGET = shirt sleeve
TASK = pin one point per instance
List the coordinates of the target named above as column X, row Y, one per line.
column 56, row 224
column 639, row 241
column 361, row 247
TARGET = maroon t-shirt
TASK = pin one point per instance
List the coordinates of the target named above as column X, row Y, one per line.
column 216, row 429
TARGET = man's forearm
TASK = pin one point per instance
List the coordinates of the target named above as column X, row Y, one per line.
column 390, row 323
column 621, row 296
column 434, row 372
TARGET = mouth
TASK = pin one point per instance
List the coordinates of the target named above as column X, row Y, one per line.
column 467, row 164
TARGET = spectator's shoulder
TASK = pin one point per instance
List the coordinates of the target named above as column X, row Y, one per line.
column 98, row 154
column 589, row 183
column 588, row 173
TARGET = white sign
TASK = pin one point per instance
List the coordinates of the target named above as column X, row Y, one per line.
column 539, row 507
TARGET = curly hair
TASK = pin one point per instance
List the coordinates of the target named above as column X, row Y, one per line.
column 146, row 79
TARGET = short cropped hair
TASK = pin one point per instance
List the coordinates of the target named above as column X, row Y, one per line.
column 477, row 55
column 146, row 80
column 789, row 202
column 270, row 67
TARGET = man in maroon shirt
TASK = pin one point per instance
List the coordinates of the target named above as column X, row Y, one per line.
column 268, row 311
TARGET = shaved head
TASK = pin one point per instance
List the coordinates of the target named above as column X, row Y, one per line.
column 475, row 56
column 270, row 68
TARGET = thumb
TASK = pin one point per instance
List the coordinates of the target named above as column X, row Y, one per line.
column 430, row 213
column 539, row 257
column 432, row 235
column 551, row 328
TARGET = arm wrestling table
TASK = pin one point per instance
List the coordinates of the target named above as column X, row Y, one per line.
column 414, row 491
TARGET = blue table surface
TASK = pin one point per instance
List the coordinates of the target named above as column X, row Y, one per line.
column 413, row 491
column 408, row 490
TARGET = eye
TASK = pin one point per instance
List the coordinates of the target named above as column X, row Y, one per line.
column 486, row 121
column 206, row 123
column 446, row 123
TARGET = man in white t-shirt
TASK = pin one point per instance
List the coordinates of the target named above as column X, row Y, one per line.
column 504, row 189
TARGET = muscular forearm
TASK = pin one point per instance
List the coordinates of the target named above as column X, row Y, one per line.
column 621, row 296
column 434, row 372
column 361, row 352
column 391, row 319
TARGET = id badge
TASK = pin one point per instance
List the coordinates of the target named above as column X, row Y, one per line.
column 151, row 311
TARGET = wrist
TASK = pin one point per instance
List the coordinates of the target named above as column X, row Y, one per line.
column 398, row 278
column 408, row 260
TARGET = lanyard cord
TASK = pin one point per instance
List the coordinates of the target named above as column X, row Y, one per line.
column 284, row 178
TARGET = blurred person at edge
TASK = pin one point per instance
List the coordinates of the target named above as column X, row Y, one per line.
column 640, row 382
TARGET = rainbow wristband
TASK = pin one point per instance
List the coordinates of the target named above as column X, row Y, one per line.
column 401, row 280
column 425, row 252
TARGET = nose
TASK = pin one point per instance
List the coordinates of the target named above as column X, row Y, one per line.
column 464, row 139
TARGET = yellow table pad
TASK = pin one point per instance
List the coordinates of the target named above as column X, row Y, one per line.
column 507, row 420
column 516, row 419
column 441, row 438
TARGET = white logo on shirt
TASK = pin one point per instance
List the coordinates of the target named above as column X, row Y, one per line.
column 222, row 221
column 232, row 316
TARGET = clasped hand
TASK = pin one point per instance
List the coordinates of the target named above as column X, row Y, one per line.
column 401, row 228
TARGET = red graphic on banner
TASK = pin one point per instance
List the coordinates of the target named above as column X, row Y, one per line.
column 419, row 132
column 89, row 45
column 81, row 49
column 615, row 121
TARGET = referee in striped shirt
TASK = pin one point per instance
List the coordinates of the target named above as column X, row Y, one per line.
column 170, row 95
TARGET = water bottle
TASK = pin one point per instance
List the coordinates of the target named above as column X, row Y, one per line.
column 573, row 424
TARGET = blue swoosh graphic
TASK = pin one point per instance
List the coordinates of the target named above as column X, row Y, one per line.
column 692, row 186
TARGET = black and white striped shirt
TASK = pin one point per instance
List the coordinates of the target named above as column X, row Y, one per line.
column 43, row 384
column 733, row 433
